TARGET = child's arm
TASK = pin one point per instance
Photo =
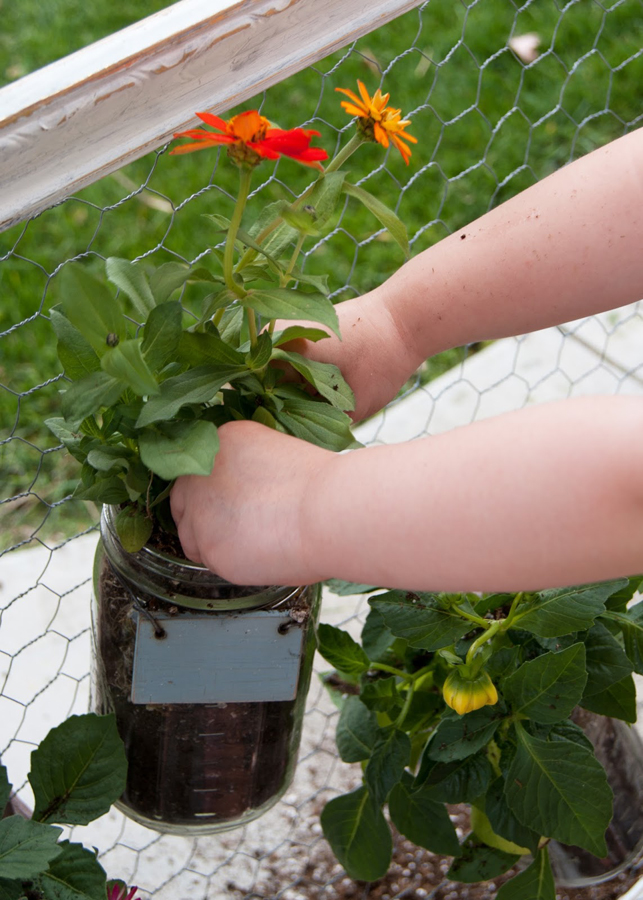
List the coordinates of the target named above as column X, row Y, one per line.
column 547, row 496
column 570, row 246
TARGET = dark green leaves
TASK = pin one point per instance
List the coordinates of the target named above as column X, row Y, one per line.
column 5, row 789
column 75, row 874
column 131, row 279
column 535, row 883
column 479, row 862
column 564, row 795
column 419, row 619
column 546, row 689
column 26, row 847
column 561, row 611
column 457, row 737
column 281, row 303
column 356, row 829
column 357, row 730
column 422, row 819
column 341, row 651
column 387, row 217
column 78, row 771
column 389, row 755
column 631, row 624
column 198, row 385
column 314, row 421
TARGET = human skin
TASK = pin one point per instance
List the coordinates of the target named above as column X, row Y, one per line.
column 545, row 496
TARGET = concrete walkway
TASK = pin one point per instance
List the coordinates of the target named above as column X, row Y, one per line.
column 44, row 636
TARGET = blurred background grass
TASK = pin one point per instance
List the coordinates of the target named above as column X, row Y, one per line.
column 488, row 125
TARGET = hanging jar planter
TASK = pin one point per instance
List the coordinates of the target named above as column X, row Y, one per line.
column 208, row 682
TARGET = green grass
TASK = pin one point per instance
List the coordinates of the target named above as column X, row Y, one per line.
column 487, row 127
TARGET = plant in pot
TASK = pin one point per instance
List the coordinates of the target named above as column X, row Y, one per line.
column 207, row 680
column 518, row 706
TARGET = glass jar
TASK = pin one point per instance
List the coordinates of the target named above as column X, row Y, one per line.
column 619, row 749
column 208, row 682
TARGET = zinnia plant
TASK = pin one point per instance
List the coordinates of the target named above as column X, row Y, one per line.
column 153, row 372
column 452, row 699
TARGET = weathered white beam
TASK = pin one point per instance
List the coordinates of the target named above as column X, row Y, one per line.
column 87, row 115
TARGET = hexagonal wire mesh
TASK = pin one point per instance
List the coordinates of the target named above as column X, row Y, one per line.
column 500, row 95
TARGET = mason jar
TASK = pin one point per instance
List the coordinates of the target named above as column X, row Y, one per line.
column 208, row 683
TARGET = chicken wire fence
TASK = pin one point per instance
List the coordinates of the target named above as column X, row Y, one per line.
column 500, row 95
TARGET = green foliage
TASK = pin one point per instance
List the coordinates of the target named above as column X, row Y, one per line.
column 77, row 772
column 526, row 768
column 153, row 374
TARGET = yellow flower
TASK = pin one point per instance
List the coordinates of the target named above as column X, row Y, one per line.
column 466, row 694
column 377, row 121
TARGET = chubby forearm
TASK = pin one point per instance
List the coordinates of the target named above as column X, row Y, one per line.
column 567, row 247
column 544, row 497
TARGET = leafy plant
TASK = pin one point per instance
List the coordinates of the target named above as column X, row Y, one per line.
column 470, row 699
column 77, row 772
column 157, row 369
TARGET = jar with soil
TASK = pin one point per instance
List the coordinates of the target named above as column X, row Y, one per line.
column 207, row 680
column 619, row 749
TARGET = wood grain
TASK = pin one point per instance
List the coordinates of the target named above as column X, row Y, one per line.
column 80, row 118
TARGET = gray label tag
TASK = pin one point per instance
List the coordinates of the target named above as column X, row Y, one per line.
column 217, row 658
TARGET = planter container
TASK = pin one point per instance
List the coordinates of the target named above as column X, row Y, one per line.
column 208, row 682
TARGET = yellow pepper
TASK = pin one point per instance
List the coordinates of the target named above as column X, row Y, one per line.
column 465, row 694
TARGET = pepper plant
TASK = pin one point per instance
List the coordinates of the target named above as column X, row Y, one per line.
column 466, row 698
column 153, row 371
column 77, row 772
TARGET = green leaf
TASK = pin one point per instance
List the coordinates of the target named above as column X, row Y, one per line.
column 298, row 332
column 564, row 610
column 169, row 278
column 457, row 737
column 357, row 731
column 133, row 528
column 324, row 377
column 26, row 847
column 619, row 600
column 88, row 395
column 607, row 662
column 91, row 307
column 11, row 890
column 74, row 875
column 78, row 770
column 162, row 334
column 357, row 832
column 198, row 385
column 341, row 651
column 503, row 821
column 59, row 427
column 419, row 619
column 198, row 349
column 631, row 625
column 260, row 352
column 422, row 819
column 382, row 695
column 282, row 234
column 188, row 448
column 127, row 363
column 75, row 353
column 316, row 422
column 618, row 701
column 281, row 303
column 547, row 689
column 535, row 883
column 130, row 278
column 391, row 753
column 560, row 795
column 108, row 458
column 109, row 490
column 376, row 637
column 461, row 781
column 5, row 788
column 393, row 224
column 479, row 862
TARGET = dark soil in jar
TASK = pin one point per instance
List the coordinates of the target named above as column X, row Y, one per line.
column 188, row 764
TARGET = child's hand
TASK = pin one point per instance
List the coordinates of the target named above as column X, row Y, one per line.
column 372, row 355
column 248, row 521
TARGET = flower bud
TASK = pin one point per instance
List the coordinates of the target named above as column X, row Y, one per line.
column 464, row 694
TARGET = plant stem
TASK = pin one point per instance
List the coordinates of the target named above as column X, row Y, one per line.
column 338, row 161
column 483, row 638
column 383, row 667
column 245, row 176
column 293, row 258
column 406, row 707
column 512, row 611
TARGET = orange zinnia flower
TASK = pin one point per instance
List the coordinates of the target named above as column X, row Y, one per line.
column 378, row 121
column 251, row 138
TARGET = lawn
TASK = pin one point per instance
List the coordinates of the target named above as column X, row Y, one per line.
column 487, row 124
